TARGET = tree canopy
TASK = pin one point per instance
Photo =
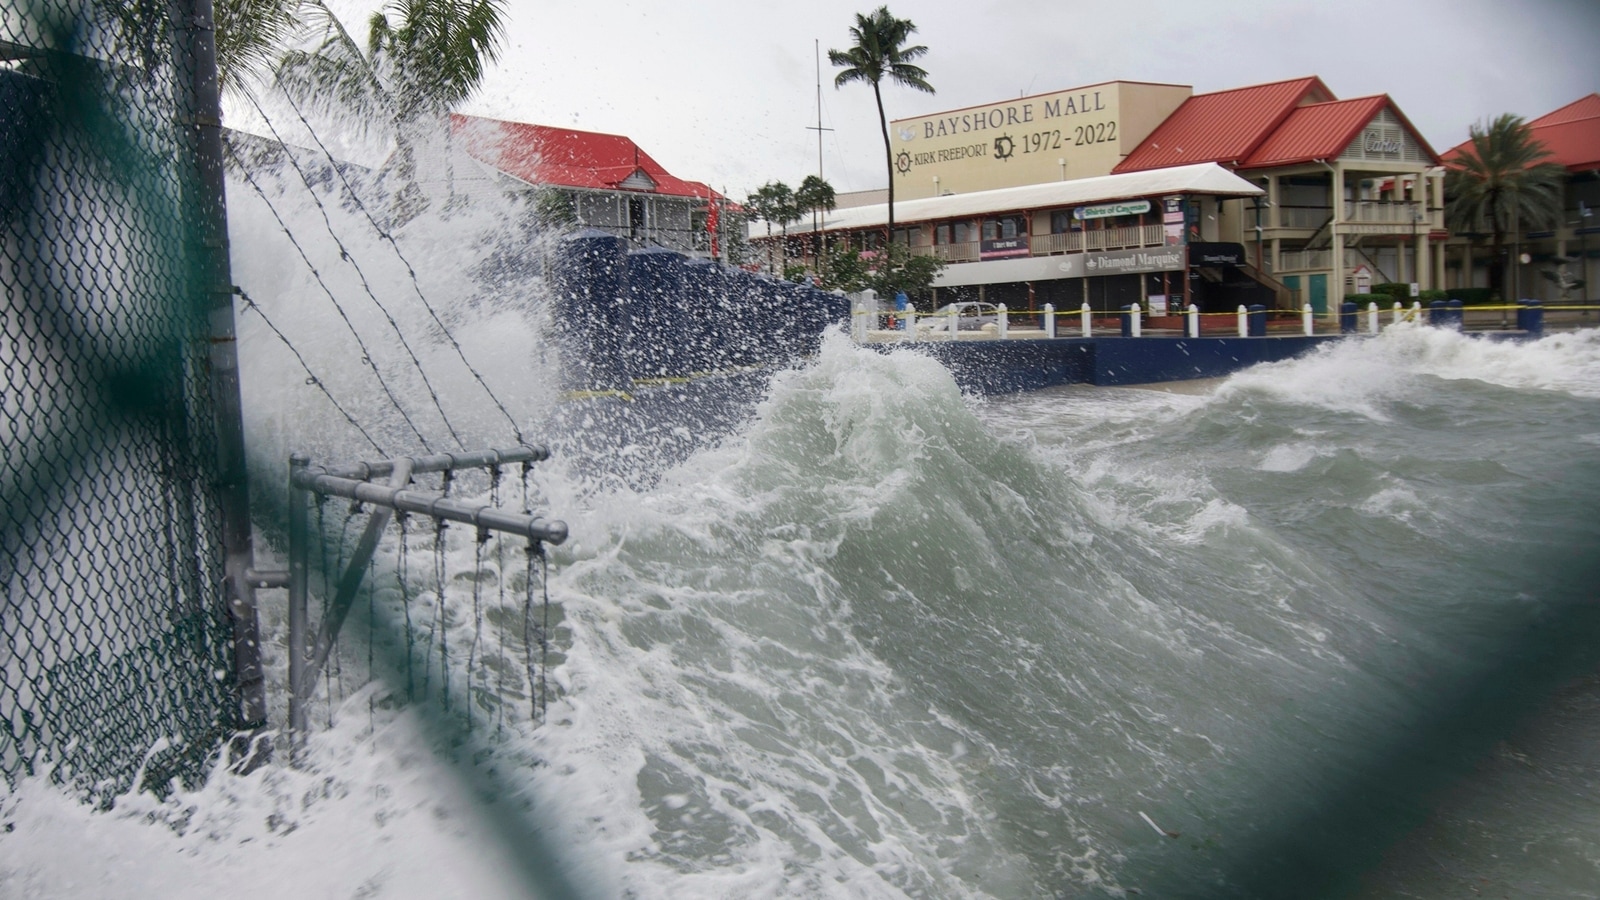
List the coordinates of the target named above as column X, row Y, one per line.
column 1500, row 184
column 878, row 51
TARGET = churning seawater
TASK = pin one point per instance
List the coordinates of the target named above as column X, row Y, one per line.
column 1324, row 628
column 889, row 639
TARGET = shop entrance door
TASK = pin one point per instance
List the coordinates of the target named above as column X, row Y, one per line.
column 1292, row 282
column 1319, row 294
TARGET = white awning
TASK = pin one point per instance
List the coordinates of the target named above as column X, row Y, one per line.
column 1207, row 179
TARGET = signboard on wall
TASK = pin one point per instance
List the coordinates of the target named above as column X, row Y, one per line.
column 1003, row 248
column 1107, row 210
column 1214, row 254
column 1119, row 262
column 1075, row 133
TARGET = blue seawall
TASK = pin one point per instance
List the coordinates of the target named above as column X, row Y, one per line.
column 631, row 320
column 1003, row 367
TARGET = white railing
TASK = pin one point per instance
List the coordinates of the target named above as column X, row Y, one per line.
column 1066, row 242
column 1300, row 260
column 964, row 252
column 1303, row 216
column 1398, row 212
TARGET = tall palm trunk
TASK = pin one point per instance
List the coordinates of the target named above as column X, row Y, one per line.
column 888, row 159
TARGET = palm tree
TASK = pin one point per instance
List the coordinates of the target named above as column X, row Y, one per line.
column 422, row 57
column 879, row 52
column 815, row 196
column 1499, row 184
column 775, row 203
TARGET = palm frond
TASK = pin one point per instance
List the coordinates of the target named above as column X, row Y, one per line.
column 251, row 36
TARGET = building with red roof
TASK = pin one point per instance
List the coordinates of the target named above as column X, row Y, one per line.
column 1561, row 263
column 1349, row 194
column 1353, row 193
column 596, row 180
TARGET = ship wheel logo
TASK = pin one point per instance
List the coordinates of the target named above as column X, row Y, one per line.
column 903, row 162
column 1004, row 146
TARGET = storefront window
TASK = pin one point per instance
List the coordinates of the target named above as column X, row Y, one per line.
column 1003, row 227
column 961, row 232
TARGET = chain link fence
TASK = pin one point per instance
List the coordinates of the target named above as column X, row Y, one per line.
column 117, row 662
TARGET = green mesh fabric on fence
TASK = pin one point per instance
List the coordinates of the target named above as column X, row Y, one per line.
column 116, row 652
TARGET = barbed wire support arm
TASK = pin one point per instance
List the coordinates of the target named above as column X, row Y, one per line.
column 307, row 659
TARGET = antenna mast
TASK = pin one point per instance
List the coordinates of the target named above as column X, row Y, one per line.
column 817, row 44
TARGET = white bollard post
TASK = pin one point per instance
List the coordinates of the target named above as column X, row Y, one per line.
column 1049, row 321
column 858, row 322
column 1002, row 321
column 1135, row 326
column 1088, row 324
column 1194, row 321
column 1397, row 312
column 1244, row 321
column 1306, row 320
column 1416, row 311
column 953, row 323
column 1372, row 318
column 908, row 324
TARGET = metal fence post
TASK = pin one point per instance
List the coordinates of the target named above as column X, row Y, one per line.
column 299, row 589
column 200, row 120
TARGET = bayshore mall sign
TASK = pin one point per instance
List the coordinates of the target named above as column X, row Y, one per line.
column 1077, row 133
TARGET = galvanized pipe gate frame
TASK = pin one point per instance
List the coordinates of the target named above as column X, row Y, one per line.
column 307, row 658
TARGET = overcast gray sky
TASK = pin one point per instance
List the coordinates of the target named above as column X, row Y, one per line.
column 722, row 91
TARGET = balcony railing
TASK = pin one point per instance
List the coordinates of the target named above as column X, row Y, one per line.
column 1397, row 212
column 1066, row 242
column 1290, row 261
column 964, row 252
column 1301, row 260
column 1303, row 216
column 1121, row 238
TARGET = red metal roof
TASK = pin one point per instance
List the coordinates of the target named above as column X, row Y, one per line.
column 1324, row 130
column 1571, row 134
column 1574, row 144
column 1223, row 127
column 564, row 157
column 1582, row 108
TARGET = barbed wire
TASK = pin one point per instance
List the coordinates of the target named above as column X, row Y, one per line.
column 344, row 254
column 366, row 356
column 311, row 377
column 411, row 272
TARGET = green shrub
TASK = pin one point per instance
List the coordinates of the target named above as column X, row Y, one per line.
column 1470, row 296
column 1430, row 296
column 1396, row 291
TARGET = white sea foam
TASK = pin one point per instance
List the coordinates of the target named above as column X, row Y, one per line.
column 1288, row 457
column 1366, row 376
